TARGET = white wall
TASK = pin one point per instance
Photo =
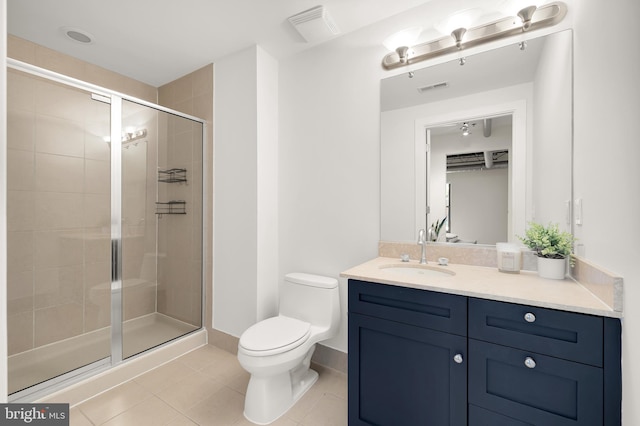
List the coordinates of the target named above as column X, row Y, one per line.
column 245, row 190
column 3, row 201
column 267, row 141
column 329, row 162
column 479, row 203
column 606, row 153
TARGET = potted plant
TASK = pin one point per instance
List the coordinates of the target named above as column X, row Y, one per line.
column 552, row 247
column 435, row 228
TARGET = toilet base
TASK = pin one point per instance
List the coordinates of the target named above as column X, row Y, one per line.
column 268, row 398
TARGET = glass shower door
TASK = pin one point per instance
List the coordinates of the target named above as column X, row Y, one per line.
column 59, row 274
column 161, row 227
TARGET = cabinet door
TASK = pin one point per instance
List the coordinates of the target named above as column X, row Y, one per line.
column 538, row 389
column 401, row 374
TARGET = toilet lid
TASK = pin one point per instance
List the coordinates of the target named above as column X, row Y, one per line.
column 274, row 333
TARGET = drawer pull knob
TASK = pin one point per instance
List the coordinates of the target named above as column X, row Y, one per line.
column 529, row 317
column 529, row 362
column 458, row 358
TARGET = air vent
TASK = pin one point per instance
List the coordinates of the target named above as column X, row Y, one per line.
column 315, row 24
column 424, row 89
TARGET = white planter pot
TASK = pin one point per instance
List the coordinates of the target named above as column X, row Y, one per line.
column 554, row 269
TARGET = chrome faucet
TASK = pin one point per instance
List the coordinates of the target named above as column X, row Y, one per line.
column 423, row 242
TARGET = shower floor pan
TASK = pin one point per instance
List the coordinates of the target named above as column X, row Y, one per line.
column 38, row 365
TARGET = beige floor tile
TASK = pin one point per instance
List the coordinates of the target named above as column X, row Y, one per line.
column 223, row 408
column 329, row 381
column 332, row 381
column 150, row 412
column 329, row 411
column 165, row 376
column 181, row 421
column 113, row 402
column 190, row 391
column 206, row 387
column 77, row 418
column 282, row 421
column 226, row 369
column 203, row 357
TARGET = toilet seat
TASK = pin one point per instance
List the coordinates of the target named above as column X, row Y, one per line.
column 274, row 335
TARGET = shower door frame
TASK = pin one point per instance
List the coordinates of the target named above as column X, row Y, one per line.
column 115, row 99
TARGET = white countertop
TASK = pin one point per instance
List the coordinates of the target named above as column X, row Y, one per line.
column 488, row 283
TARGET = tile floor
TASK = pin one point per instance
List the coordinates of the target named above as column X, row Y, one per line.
column 205, row 387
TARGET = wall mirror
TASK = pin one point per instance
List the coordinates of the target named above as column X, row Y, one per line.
column 513, row 167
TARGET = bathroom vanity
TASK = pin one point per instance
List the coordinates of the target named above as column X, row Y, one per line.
column 453, row 349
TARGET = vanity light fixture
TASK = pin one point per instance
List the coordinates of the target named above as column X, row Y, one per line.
column 401, row 41
column 530, row 18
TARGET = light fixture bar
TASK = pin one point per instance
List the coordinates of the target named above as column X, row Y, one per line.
column 544, row 16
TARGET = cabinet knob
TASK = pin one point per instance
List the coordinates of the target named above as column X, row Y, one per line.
column 458, row 358
column 529, row 317
column 529, row 362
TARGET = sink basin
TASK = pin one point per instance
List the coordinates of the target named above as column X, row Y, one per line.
column 417, row 270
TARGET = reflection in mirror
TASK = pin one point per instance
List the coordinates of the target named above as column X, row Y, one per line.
column 526, row 96
column 468, row 175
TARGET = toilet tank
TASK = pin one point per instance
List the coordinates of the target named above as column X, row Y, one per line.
column 311, row 298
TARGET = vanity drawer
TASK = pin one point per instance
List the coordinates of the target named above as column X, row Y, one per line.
column 422, row 308
column 533, row 388
column 568, row 335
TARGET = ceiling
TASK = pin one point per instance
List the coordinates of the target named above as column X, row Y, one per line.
column 157, row 41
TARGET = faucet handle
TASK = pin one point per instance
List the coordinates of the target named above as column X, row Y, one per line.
column 421, row 236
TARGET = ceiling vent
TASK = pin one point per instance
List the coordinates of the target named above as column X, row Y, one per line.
column 424, row 89
column 315, row 24
column 78, row 35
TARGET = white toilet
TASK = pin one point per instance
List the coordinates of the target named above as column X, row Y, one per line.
column 277, row 351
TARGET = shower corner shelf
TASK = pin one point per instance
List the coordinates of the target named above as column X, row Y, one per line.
column 172, row 175
column 171, row 207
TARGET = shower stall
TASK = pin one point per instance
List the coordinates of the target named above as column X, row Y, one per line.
column 105, row 228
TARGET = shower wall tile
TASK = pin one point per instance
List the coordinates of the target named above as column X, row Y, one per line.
column 60, row 101
column 20, row 253
column 20, row 332
column 21, row 129
column 97, row 295
column 20, row 170
column 58, row 210
column 57, row 323
column 97, row 212
column 20, row 210
column 202, row 105
column 60, row 63
column 58, row 173
column 19, row 292
column 59, row 136
column 97, row 177
column 21, row 49
column 58, row 286
column 97, row 246
column 139, row 300
column 32, row 53
column 55, row 249
column 95, row 146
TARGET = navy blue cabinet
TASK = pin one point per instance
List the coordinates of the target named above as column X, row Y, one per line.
column 403, row 369
column 418, row 357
